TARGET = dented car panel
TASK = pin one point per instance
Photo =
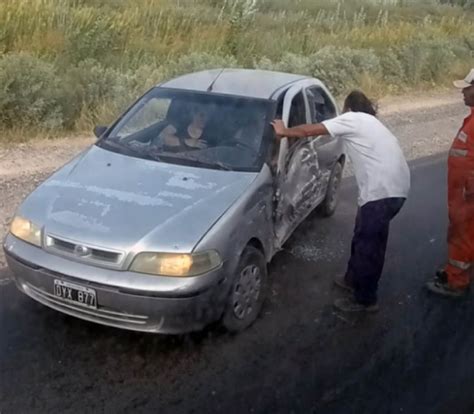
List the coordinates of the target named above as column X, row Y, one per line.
column 257, row 205
column 300, row 189
column 112, row 203
column 304, row 169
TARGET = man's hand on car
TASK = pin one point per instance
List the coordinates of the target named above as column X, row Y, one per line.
column 279, row 127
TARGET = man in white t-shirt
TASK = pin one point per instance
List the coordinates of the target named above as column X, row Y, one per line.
column 383, row 178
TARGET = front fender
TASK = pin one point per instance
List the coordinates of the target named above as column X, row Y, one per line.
column 250, row 217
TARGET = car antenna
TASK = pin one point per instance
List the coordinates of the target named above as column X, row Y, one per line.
column 209, row 89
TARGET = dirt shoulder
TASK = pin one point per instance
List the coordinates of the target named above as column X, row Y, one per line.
column 39, row 156
column 425, row 125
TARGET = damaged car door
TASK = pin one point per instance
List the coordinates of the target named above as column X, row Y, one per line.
column 300, row 180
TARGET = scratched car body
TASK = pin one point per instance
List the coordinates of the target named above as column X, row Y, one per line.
column 133, row 235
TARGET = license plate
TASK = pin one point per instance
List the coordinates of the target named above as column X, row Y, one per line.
column 76, row 294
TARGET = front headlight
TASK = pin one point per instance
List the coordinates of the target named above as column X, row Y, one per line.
column 26, row 230
column 176, row 265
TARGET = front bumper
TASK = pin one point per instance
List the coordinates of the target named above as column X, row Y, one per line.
column 158, row 308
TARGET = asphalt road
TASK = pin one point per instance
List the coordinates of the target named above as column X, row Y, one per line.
column 415, row 356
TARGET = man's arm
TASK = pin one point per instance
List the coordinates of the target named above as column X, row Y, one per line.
column 300, row 131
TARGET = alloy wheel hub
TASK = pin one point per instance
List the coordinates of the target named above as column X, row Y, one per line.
column 246, row 291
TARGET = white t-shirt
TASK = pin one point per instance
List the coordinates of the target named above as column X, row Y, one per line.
column 380, row 167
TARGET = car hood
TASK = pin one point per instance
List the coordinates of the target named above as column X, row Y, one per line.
column 117, row 201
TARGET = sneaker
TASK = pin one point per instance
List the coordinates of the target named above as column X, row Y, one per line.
column 350, row 305
column 340, row 281
column 443, row 288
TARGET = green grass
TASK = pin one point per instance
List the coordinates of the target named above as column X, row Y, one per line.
column 67, row 64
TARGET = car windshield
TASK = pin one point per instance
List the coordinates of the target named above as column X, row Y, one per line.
column 192, row 128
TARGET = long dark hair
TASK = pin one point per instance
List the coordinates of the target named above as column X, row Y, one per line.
column 357, row 101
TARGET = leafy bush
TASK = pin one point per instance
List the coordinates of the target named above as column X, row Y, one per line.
column 36, row 94
column 102, row 93
column 30, row 94
column 91, row 36
column 427, row 61
column 92, row 83
column 341, row 68
column 198, row 61
column 290, row 62
column 392, row 73
column 72, row 63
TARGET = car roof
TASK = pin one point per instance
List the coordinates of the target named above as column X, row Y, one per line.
column 241, row 82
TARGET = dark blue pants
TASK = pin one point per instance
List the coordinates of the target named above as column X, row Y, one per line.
column 369, row 246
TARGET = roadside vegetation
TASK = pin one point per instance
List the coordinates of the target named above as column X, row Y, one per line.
column 66, row 65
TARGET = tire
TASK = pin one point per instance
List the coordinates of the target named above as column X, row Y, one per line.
column 248, row 291
column 329, row 205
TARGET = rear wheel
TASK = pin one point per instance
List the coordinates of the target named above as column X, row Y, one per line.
column 248, row 291
column 328, row 207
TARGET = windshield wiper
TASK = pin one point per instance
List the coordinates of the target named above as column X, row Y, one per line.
column 172, row 157
column 106, row 143
column 126, row 149
column 223, row 166
column 219, row 164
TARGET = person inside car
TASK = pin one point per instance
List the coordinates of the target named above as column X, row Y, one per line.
column 175, row 138
column 247, row 134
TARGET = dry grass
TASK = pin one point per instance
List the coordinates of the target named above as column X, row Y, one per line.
column 161, row 38
column 158, row 29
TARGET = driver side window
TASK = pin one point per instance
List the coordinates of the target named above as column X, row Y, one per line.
column 297, row 115
column 320, row 105
column 297, row 111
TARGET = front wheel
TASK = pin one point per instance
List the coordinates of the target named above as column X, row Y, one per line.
column 248, row 291
column 328, row 207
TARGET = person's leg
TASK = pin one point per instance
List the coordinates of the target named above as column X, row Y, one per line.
column 371, row 251
column 457, row 274
column 459, row 267
column 460, row 246
column 368, row 258
column 459, row 271
column 352, row 264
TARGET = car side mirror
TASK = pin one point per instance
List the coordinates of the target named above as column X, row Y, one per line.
column 99, row 130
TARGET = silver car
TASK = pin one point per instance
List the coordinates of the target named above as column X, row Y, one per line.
column 168, row 221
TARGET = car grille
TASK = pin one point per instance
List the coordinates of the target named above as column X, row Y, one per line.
column 84, row 252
